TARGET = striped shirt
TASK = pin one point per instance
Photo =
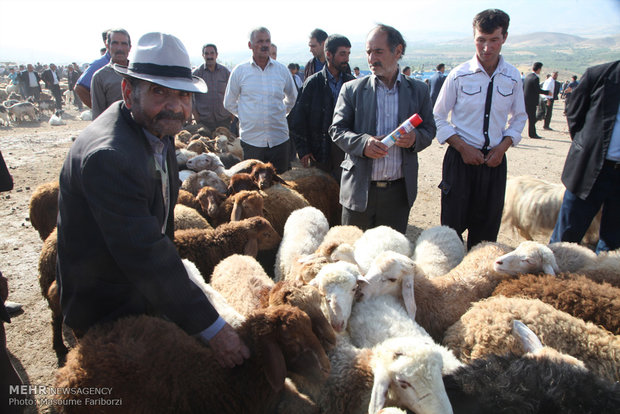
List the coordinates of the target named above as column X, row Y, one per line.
column 388, row 168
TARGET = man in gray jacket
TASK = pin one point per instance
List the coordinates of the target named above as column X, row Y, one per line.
column 379, row 184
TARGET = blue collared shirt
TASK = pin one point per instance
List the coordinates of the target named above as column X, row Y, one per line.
column 334, row 84
column 97, row 64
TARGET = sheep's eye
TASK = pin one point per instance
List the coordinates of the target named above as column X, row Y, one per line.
column 404, row 384
column 392, row 280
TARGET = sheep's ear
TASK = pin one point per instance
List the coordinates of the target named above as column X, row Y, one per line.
column 408, row 295
column 528, row 339
column 237, row 212
column 307, row 258
column 379, row 390
column 550, row 266
column 362, row 280
column 275, row 366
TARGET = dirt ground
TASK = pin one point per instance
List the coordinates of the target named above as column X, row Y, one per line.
column 34, row 153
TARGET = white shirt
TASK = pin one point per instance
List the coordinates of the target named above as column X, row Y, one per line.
column 261, row 99
column 464, row 92
column 548, row 85
column 613, row 152
column 55, row 77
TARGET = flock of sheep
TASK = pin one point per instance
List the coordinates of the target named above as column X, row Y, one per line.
column 344, row 321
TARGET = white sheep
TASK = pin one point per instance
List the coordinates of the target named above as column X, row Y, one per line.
column 188, row 218
column 531, row 206
column 183, row 155
column 377, row 240
column 202, row 179
column 86, row 115
column 56, row 119
column 442, row 300
column 485, row 329
column 338, row 283
column 226, row 311
column 242, row 281
column 438, row 250
column 534, row 257
column 303, row 232
column 392, row 373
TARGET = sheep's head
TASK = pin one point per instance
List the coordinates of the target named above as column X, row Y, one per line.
column 204, row 161
column 210, row 200
column 284, row 337
column 247, row 204
column 265, row 175
column 391, row 273
column 409, row 376
column 338, row 284
column 240, row 182
column 261, row 235
column 308, row 299
column 529, row 257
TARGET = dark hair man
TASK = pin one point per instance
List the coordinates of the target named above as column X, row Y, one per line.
column 208, row 108
column 592, row 169
column 531, row 92
column 436, row 81
column 317, row 48
column 481, row 94
column 314, row 110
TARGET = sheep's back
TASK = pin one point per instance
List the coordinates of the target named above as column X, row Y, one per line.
column 574, row 294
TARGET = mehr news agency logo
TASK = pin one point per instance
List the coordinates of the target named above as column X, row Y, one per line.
column 30, row 395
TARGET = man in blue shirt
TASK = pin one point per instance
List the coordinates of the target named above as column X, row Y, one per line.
column 82, row 89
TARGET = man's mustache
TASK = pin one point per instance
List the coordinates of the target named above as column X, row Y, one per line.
column 175, row 116
column 264, row 49
column 377, row 64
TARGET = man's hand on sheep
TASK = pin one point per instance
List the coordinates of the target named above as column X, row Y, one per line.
column 228, row 348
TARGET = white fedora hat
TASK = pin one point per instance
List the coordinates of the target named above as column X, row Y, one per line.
column 162, row 59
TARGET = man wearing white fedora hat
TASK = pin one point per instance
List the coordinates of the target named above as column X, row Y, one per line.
column 118, row 188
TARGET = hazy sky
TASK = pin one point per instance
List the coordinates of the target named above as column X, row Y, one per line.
column 50, row 30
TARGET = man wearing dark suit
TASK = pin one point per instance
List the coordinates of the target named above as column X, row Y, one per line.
column 592, row 169
column 31, row 81
column 118, row 188
column 379, row 183
column 436, row 81
column 50, row 78
column 531, row 92
column 314, row 110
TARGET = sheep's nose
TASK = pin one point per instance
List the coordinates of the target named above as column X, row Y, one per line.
column 339, row 327
column 499, row 262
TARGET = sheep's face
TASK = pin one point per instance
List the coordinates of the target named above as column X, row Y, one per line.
column 302, row 350
column 338, row 284
column 205, row 161
column 385, row 275
column 268, row 238
column 529, row 257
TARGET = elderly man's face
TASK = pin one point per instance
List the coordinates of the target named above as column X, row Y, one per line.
column 260, row 45
column 162, row 111
column 119, row 48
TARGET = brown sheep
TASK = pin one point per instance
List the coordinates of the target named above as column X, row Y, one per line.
column 49, row 290
column 221, row 209
column 44, row 208
column 241, row 181
column 572, row 293
column 188, row 199
column 320, row 189
column 308, row 299
column 206, row 248
column 132, row 357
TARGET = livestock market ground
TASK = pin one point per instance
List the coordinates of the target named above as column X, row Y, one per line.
column 34, row 152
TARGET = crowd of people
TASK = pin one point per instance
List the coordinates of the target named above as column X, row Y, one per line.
column 336, row 120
